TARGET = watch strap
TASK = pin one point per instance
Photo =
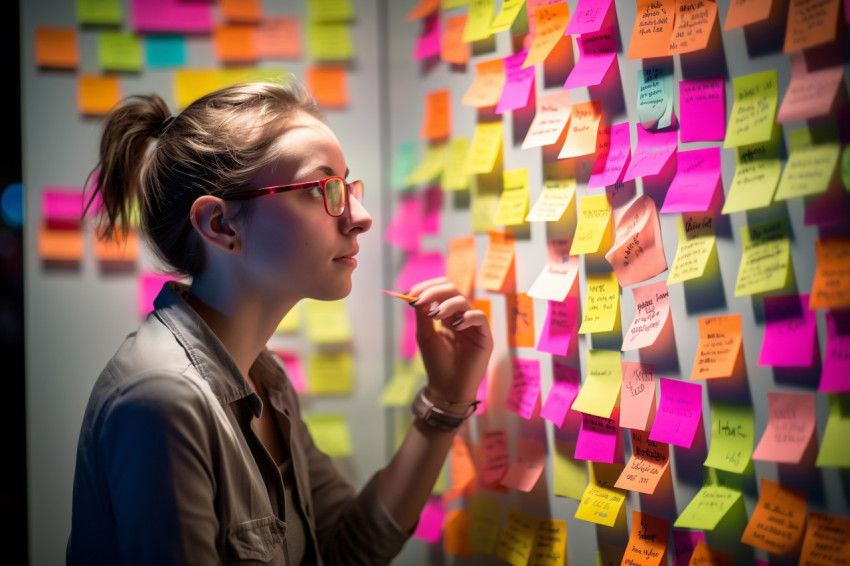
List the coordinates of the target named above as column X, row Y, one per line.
column 436, row 417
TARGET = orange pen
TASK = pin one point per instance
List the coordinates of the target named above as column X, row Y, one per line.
column 407, row 298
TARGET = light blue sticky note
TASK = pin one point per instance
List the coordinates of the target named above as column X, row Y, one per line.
column 165, row 50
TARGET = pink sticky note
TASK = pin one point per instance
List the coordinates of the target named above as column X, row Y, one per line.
column 564, row 390
column 637, row 253
column 651, row 154
column 528, row 465
column 652, row 310
column 679, row 411
column 428, row 44
column 810, row 93
column 150, row 284
column 430, row 525
column 407, row 344
column 598, row 438
column 835, row 376
column 62, row 207
column 611, row 164
column 702, row 109
column 405, row 229
column 525, row 387
column 420, row 266
column 171, row 16
column 684, row 543
column 696, row 182
column 494, row 456
column 790, row 332
column 637, row 395
column 588, row 16
column 790, row 424
column 294, row 369
column 518, row 83
column 598, row 50
column 482, row 396
column 560, row 326
column 432, row 206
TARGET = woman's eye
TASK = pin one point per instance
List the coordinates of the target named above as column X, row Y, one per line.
column 315, row 192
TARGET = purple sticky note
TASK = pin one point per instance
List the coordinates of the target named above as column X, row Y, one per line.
column 598, row 438
column 696, row 181
column 651, row 154
column 518, row 83
column 678, row 413
column 428, row 44
column 564, row 390
column 588, row 16
column 430, row 525
column 150, row 284
column 790, row 332
column 420, row 266
column 702, row 109
column 171, row 16
column 560, row 326
column 405, row 229
column 525, row 387
column 610, row 166
column 62, row 207
column 835, row 377
column 598, row 50
column 684, row 543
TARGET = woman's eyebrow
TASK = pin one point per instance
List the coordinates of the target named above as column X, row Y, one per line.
column 330, row 172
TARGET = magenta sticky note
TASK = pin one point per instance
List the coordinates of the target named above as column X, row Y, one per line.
column 678, row 414
column 428, row 44
column 482, row 396
column 407, row 344
column 405, row 229
column 702, row 109
column 430, row 525
column 560, row 326
column 294, row 369
column 588, row 16
column 150, row 284
column 525, row 387
column 835, row 374
column 597, row 51
column 684, row 543
column 171, row 16
column 610, row 166
column 563, row 392
column 790, row 332
column 420, row 266
column 518, row 83
column 651, row 154
column 62, row 207
column 696, row 182
column 432, row 206
column 598, row 438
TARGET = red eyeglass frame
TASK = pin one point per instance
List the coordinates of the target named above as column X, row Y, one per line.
column 254, row 193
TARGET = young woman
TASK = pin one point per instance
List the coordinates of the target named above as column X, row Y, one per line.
column 192, row 449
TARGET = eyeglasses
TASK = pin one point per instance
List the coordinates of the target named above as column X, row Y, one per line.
column 335, row 191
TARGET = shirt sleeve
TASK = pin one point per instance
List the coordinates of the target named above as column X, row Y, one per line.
column 155, row 445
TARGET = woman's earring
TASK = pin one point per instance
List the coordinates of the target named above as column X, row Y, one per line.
column 231, row 246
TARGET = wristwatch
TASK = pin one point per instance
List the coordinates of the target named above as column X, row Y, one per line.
column 436, row 417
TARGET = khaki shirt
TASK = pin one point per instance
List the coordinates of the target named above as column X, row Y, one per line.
column 169, row 470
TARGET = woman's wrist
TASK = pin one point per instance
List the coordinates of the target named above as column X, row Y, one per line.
column 449, row 403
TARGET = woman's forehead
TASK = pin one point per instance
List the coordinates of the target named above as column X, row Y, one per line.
column 306, row 147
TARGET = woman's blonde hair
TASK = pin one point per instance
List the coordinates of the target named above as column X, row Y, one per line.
column 216, row 145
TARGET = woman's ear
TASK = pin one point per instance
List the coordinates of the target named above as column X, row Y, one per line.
column 209, row 216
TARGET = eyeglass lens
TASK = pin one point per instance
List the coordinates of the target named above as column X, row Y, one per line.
column 335, row 194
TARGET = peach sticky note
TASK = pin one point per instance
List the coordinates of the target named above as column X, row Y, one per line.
column 835, row 375
column 732, row 433
column 648, row 540
column 790, row 424
column 831, row 285
column 778, row 520
column 765, row 260
column 637, row 253
column 696, row 182
column 646, row 466
column 486, row 87
column 119, row 249
column 495, row 459
column 790, row 332
column 498, row 260
column 516, row 539
column 601, row 503
column 810, row 93
column 601, row 389
column 637, row 395
column 527, row 466
column 598, row 438
column 278, row 37
column 597, row 52
column 692, row 28
column 56, row 47
column 559, row 328
column 559, row 274
column 679, row 411
column 582, row 129
column 437, row 119
column 651, row 154
column 827, row 539
column 652, row 310
column 602, row 304
column 753, row 109
column 520, row 319
column 720, row 342
column 524, row 394
column 519, row 82
column 553, row 113
column 550, row 23
column 702, row 109
column 565, row 385
column 806, row 29
column 97, row 94
column 653, row 28
column 593, row 232
column 613, row 156
column 746, row 13
column 554, row 199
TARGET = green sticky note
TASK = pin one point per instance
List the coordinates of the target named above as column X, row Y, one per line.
column 601, row 387
column 478, row 20
column 329, row 10
column 655, row 97
column 756, row 174
column 711, row 503
column 432, row 165
column 766, row 258
column 732, row 431
column 570, row 475
column 833, row 447
column 452, row 4
column 753, row 109
column 330, row 42
column 405, row 160
column 845, row 167
column 331, row 433
column 811, row 164
column 119, row 51
column 99, row 12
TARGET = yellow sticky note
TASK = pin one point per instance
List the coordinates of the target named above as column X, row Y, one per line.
column 753, row 110
column 757, row 171
column 291, row 322
column 602, row 305
column 192, row 84
column 833, row 448
column 485, row 525
column 485, row 148
column 513, row 204
column 327, row 322
column 330, row 373
column 506, row 16
column 402, row 386
column 554, row 199
column 766, row 258
column 696, row 244
column 593, row 232
column 570, row 475
column 331, row 433
column 329, row 10
column 517, row 537
column 330, row 41
column 601, row 389
column 119, row 51
column 478, row 20
column 455, row 177
column 732, row 431
column 432, row 165
column 96, row 95
column 719, row 493
column 483, row 205
column 601, row 503
column 550, row 544
column 810, row 165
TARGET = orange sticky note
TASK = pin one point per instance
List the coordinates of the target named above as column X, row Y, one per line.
column 648, row 540
column 804, row 30
column 482, row 305
column 720, row 341
column 278, row 38
column 329, row 84
column 56, row 47
column 747, row 12
column 437, row 121
column 422, row 9
column 97, row 94
column 704, row 555
column 119, row 249
column 462, row 469
column 653, row 29
column 498, row 260
column 831, row 285
column 646, row 466
column 582, row 129
column 59, row 245
column 242, row 11
column 692, row 28
column 460, row 263
column 827, row 539
column 778, row 520
column 453, row 49
column 234, row 44
column 550, row 23
column 456, row 533
column 520, row 317
column 486, row 87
